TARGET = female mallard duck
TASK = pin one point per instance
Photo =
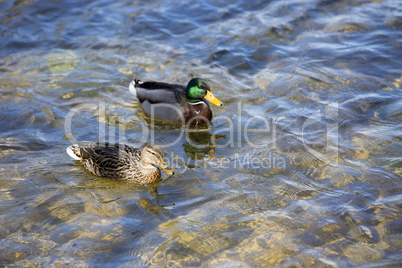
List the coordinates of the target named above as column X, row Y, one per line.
column 121, row 162
column 176, row 103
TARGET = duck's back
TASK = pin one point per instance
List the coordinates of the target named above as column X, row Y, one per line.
column 111, row 161
column 159, row 92
column 161, row 101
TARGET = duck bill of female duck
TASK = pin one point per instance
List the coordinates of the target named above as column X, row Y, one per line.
column 164, row 167
column 212, row 99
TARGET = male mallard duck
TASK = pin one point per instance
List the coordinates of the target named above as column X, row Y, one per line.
column 121, row 162
column 176, row 103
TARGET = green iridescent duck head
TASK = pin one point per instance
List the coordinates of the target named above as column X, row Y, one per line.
column 198, row 89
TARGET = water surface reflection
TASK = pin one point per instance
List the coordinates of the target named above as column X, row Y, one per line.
column 319, row 186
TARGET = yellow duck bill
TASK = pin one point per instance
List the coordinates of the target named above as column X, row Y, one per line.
column 164, row 166
column 212, row 99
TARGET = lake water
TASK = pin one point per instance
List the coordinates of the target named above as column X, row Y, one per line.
column 301, row 166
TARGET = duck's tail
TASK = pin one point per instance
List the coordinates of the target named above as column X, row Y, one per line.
column 71, row 151
column 132, row 88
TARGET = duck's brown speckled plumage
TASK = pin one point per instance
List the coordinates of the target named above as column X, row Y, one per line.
column 119, row 161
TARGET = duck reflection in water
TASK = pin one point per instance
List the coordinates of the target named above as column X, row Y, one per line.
column 200, row 143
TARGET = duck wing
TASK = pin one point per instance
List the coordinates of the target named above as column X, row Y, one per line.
column 107, row 160
column 158, row 92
